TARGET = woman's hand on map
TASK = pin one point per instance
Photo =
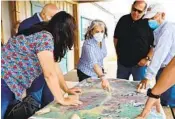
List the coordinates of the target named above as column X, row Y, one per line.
column 105, row 85
column 149, row 104
column 74, row 91
column 71, row 100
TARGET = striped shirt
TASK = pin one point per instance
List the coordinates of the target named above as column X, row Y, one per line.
column 91, row 54
column 165, row 48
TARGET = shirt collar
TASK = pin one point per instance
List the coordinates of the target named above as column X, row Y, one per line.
column 38, row 14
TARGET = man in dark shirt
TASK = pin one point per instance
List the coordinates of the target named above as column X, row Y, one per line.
column 133, row 39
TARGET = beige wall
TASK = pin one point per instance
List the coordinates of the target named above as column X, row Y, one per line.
column 6, row 20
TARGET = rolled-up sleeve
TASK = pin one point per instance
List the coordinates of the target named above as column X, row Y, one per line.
column 161, row 51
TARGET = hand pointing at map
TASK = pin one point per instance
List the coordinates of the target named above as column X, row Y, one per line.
column 149, row 104
column 105, row 84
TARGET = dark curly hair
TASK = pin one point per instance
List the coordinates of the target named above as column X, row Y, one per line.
column 62, row 26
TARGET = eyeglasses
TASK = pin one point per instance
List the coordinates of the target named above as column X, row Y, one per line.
column 137, row 10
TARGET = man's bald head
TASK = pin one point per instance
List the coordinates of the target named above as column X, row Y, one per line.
column 48, row 11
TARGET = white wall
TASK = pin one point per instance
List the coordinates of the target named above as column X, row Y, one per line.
column 89, row 10
column 5, row 17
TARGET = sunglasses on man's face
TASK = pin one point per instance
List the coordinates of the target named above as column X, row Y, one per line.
column 137, row 10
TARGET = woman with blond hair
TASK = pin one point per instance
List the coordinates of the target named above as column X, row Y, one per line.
column 93, row 52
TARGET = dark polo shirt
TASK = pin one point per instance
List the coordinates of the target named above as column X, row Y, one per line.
column 134, row 40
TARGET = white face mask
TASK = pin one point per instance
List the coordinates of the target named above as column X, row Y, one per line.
column 99, row 37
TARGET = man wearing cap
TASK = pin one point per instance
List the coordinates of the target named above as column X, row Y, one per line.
column 133, row 39
column 164, row 51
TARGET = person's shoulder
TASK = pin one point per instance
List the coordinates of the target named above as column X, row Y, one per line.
column 44, row 33
column 30, row 19
column 170, row 26
column 143, row 20
column 125, row 17
column 143, row 23
column 89, row 42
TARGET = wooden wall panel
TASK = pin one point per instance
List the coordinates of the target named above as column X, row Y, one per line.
column 61, row 6
column 23, row 10
column 28, row 9
column 2, row 34
column 77, row 40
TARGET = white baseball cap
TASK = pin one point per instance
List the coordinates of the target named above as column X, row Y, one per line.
column 153, row 10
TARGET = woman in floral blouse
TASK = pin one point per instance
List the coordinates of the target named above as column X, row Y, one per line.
column 34, row 52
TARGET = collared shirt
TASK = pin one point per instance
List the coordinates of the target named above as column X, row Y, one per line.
column 164, row 49
column 91, row 54
column 38, row 14
column 20, row 65
column 134, row 40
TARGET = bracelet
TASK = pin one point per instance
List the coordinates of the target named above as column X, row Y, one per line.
column 149, row 94
column 101, row 76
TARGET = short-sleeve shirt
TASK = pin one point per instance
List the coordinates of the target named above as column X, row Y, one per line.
column 19, row 62
column 134, row 40
column 91, row 54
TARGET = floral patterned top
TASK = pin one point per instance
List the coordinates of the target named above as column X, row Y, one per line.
column 20, row 65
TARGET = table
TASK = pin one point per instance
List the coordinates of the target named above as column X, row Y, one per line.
column 168, row 112
column 122, row 103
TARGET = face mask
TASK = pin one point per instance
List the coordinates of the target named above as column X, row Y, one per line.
column 99, row 37
column 153, row 24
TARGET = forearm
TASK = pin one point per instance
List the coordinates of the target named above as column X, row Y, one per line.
column 166, row 80
column 53, row 84
column 61, row 78
column 115, row 44
column 48, row 67
column 156, row 62
column 98, row 70
column 150, row 53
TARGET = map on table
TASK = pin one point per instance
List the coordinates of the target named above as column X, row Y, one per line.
column 122, row 103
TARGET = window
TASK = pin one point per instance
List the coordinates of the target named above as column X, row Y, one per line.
column 85, row 22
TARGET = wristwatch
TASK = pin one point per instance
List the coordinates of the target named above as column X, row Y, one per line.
column 149, row 94
column 148, row 58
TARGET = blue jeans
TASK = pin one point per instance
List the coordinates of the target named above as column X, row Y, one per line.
column 39, row 91
column 137, row 72
column 168, row 97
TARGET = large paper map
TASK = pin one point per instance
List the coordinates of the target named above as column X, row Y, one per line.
column 122, row 103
